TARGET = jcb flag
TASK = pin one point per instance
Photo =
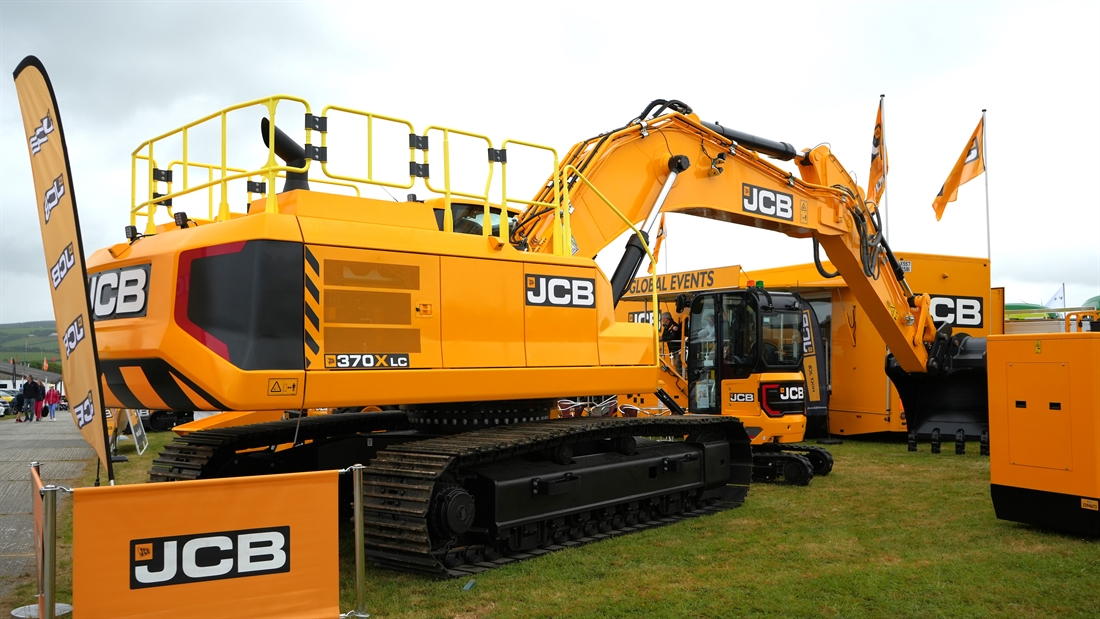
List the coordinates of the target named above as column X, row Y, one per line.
column 970, row 164
column 880, row 164
column 657, row 245
column 57, row 218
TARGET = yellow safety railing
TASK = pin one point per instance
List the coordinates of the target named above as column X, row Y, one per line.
column 562, row 229
column 217, row 175
column 210, row 168
column 505, row 200
column 370, row 116
column 448, row 191
column 146, row 152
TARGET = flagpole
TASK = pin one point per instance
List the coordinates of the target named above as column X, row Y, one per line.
column 985, row 164
column 885, row 185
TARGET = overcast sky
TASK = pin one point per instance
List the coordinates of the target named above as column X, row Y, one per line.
column 556, row 73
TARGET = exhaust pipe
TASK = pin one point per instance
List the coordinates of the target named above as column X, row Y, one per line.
column 292, row 155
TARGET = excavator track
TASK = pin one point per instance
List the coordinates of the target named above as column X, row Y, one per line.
column 403, row 483
column 819, row 457
column 202, row 454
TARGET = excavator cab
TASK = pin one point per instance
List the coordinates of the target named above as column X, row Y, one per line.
column 744, row 358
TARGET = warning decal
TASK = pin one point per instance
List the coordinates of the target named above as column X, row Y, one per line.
column 282, row 386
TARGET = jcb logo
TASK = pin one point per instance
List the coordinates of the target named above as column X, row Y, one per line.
column 53, row 196
column 646, row 317
column 807, row 335
column 561, row 291
column 73, row 335
column 366, row 362
column 793, row 394
column 84, row 412
column 957, row 311
column 121, row 293
column 162, row 561
column 65, row 262
column 742, row 397
column 767, row 202
column 38, row 138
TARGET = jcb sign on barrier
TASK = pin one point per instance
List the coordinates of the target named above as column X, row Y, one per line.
column 250, row 546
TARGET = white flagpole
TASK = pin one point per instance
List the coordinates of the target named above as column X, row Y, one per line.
column 885, row 187
column 985, row 164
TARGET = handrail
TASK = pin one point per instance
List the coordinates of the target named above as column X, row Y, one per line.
column 562, row 222
column 448, row 216
column 270, row 169
column 211, row 181
column 504, row 199
column 1079, row 318
column 219, row 174
column 370, row 116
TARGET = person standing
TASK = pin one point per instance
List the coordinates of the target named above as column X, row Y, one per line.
column 39, row 398
column 52, row 399
column 670, row 336
column 29, row 391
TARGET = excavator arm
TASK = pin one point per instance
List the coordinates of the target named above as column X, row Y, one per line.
column 676, row 163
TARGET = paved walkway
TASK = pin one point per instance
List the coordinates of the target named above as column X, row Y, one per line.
column 63, row 454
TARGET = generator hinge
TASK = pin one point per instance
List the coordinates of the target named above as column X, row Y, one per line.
column 162, row 176
column 498, row 155
column 419, row 170
column 419, row 142
column 254, row 187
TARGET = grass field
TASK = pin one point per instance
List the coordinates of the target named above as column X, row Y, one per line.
column 888, row 534
column 29, row 341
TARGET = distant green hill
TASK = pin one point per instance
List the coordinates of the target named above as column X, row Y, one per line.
column 29, row 341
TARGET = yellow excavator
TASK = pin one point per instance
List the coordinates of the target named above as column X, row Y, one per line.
column 463, row 325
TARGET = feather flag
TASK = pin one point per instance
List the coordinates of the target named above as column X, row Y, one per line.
column 876, row 180
column 971, row 163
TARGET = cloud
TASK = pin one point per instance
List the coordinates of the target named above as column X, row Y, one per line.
column 804, row 73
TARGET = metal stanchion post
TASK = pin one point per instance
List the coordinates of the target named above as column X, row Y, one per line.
column 49, row 548
column 360, row 611
column 47, row 586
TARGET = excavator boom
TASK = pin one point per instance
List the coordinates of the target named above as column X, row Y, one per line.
column 723, row 180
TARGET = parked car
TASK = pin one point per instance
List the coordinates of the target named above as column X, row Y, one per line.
column 6, row 396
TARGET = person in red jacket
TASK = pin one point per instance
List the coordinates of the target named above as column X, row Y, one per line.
column 39, row 398
column 52, row 399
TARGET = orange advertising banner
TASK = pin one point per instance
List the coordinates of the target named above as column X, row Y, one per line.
column 55, row 202
column 263, row 546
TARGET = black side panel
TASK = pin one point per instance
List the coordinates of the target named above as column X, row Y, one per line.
column 1051, row 510
column 252, row 301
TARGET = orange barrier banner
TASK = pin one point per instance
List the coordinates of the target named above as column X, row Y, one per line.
column 261, row 546
column 39, row 533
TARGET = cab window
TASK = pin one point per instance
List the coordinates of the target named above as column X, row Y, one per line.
column 739, row 348
column 469, row 218
column 781, row 333
column 703, row 356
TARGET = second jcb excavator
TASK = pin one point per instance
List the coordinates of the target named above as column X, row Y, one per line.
column 465, row 325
